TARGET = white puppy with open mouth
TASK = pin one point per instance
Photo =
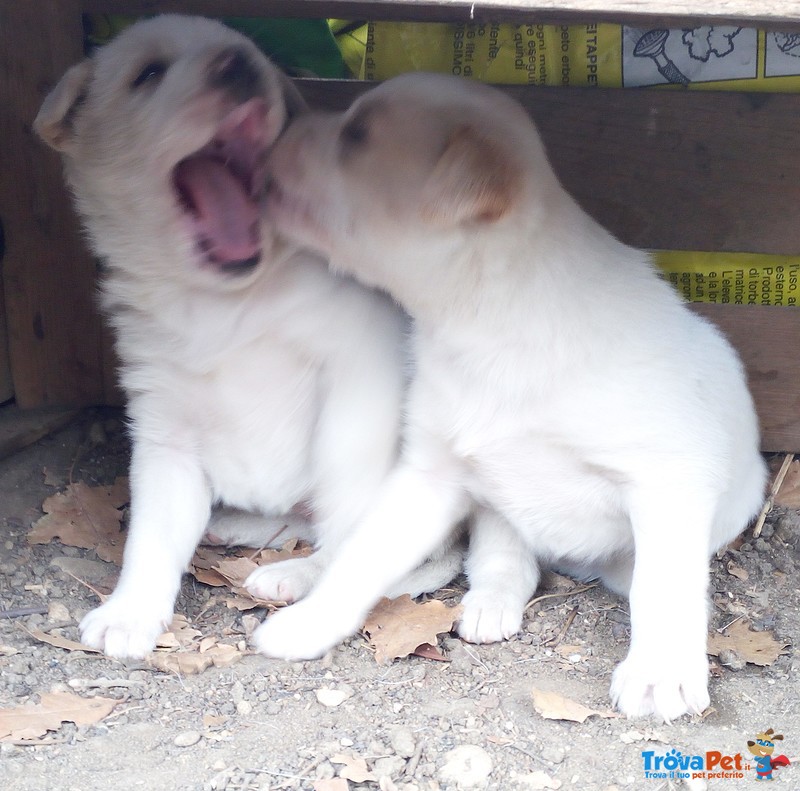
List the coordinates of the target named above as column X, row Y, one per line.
column 564, row 394
column 255, row 378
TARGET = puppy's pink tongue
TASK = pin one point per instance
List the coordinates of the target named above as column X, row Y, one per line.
column 226, row 218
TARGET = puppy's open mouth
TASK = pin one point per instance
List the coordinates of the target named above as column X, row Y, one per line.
column 220, row 188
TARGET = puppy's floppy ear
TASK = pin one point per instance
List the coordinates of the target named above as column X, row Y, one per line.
column 54, row 121
column 473, row 180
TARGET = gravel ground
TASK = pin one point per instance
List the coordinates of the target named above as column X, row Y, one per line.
column 412, row 724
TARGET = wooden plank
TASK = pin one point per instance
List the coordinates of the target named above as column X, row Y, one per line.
column 767, row 339
column 54, row 330
column 775, row 14
column 19, row 428
column 6, row 382
column 673, row 170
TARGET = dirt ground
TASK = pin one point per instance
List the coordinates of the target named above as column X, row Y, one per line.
column 411, row 724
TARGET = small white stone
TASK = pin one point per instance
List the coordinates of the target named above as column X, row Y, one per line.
column 187, row 738
column 244, row 708
column 696, row 784
column 538, row 781
column 57, row 612
column 331, row 697
column 468, row 766
column 388, row 766
column 402, row 741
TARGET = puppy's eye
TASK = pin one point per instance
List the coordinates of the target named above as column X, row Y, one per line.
column 355, row 133
column 151, row 73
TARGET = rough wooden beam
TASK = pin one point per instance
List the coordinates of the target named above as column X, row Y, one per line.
column 54, row 330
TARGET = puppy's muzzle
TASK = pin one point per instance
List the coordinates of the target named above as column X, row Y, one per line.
column 232, row 71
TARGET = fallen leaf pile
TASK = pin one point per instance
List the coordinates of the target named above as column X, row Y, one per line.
column 90, row 517
column 758, row 648
column 399, row 627
column 218, row 567
column 182, row 649
column 85, row 516
column 31, row 722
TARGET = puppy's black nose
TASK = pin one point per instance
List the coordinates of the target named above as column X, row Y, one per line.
column 232, row 71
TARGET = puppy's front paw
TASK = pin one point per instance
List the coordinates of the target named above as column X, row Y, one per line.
column 286, row 580
column 302, row 631
column 124, row 628
column 489, row 616
column 665, row 685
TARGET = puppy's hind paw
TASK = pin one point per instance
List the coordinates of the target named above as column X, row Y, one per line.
column 123, row 629
column 668, row 690
column 286, row 580
column 489, row 617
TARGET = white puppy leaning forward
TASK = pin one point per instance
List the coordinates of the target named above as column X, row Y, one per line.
column 563, row 394
column 255, row 378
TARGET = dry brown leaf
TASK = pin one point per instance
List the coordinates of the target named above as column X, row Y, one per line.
column 61, row 642
column 553, row 581
column 396, row 627
column 189, row 663
column 758, row 648
column 553, row 706
column 203, row 565
column 331, row 784
column 235, row 570
column 223, row 655
column 33, row 721
column 428, row 651
column 181, row 634
column 209, row 577
column 354, row 769
column 182, row 663
column 737, row 571
column 214, row 720
column 568, row 650
column 225, row 567
column 85, row 516
column 788, row 495
column 242, row 603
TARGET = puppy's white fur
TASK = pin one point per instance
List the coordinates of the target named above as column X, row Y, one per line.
column 563, row 392
column 260, row 386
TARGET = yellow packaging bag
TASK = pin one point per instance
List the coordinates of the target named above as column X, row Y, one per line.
column 594, row 55
column 614, row 56
column 733, row 278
